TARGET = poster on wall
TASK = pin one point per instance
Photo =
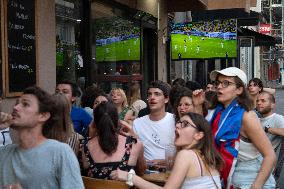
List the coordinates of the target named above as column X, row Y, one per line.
column 203, row 40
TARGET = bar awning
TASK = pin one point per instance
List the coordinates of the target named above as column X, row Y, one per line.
column 260, row 39
column 185, row 5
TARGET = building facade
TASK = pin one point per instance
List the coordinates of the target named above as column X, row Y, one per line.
column 107, row 42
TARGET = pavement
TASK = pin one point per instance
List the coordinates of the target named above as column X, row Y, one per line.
column 279, row 97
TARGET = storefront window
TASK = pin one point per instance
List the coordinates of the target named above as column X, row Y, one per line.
column 69, row 63
column 115, row 47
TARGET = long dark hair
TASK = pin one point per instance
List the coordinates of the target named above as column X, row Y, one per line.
column 244, row 99
column 106, row 124
column 257, row 82
column 211, row 156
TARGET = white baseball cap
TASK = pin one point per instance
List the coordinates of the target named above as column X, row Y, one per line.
column 231, row 72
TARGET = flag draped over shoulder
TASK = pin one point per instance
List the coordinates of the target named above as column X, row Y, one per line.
column 226, row 126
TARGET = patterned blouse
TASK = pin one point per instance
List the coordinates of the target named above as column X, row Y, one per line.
column 103, row 170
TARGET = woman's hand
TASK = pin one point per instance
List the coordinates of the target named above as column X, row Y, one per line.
column 198, row 97
column 126, row 129
column 119, row 175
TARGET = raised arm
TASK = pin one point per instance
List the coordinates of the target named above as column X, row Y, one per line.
column 198, row 98
column 270, row 90
column 253, row 130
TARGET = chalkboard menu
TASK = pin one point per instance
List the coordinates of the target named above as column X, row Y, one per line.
column 21, row 44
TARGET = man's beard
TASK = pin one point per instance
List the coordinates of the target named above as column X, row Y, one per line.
column 265, row 111
column 19, row 127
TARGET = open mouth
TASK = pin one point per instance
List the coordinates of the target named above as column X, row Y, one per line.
column 14, row 115
column 219, row 93
column 152, row 103
column 183, row 112
column 177, row 134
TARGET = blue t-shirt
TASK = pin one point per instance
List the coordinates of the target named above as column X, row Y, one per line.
column 81, row 120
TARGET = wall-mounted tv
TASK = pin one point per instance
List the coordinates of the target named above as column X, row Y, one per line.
column 203, row 40
column 116, row 39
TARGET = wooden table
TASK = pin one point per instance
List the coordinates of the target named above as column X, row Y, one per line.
column 157, row 178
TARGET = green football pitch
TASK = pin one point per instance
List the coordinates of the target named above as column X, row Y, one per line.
column 194, row 47
column 127, row 50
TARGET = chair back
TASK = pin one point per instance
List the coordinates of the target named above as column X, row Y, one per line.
column 92, row 183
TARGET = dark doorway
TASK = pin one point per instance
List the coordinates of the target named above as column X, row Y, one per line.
column 200, row 72
column 149, row 59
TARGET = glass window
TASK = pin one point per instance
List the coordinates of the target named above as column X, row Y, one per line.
column 69, row 62
column 115, row 47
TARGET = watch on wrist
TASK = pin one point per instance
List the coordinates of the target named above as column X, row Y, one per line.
column 130, row 175
column 266, row 129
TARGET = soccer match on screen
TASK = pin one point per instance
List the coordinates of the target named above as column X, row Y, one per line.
column 210, row 39
column 117, row 40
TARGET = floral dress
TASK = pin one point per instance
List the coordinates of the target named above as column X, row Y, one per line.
column 103, row 170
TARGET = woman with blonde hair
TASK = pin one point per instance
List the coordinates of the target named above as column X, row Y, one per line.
column 119, row 99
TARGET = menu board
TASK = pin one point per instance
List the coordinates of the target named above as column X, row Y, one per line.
column 21, row 44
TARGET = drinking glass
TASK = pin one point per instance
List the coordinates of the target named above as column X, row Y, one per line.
column 170, row 152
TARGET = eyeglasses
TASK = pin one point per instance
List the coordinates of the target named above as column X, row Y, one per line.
column 184, row 124
column 185, row 105
column 224, row 83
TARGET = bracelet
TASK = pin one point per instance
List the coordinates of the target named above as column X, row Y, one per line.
column 130, row 175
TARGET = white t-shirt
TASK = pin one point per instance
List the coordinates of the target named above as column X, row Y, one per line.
column 5, row 137
column 273, row 121
column 155, row 135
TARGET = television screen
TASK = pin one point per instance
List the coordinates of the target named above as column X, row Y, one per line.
column 117, row 39
column 202, row 40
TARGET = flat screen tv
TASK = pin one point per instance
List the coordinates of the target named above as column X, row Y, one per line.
column 116, row 39
column 204, row 40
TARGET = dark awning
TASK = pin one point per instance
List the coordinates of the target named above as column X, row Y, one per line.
column 244, row 18
column 182, row 5
column 260, row 39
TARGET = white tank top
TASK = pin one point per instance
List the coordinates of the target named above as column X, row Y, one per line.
column 202, row 183
column 247, row 151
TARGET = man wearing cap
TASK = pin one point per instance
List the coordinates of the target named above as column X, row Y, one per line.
column 156, row 130
column 237, row 131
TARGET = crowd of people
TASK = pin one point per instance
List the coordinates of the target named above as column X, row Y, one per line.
column 225, row 135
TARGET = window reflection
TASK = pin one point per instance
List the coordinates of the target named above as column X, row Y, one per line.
column 69, row 62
